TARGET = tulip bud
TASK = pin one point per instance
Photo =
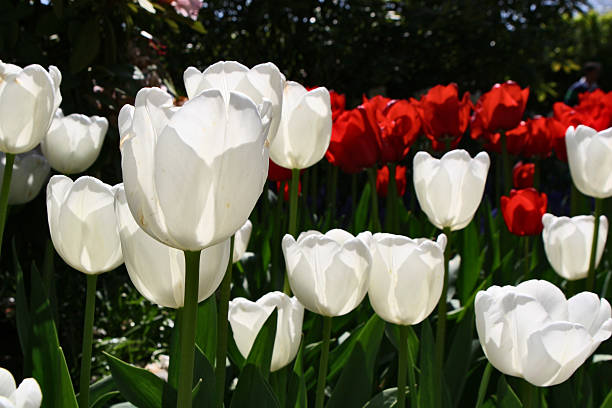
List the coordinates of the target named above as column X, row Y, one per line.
column 30, row 172
column 523, row 211
column 305, row 127
column 157, row 270
column 184, row 169
column 247, row 318
column 532, row 331
column 589, row 155
column 522, row 175
column 29, row 98
column 27, row 395
column 568, row 242
column 450, row 189
column 407, row 277
column 73, row 142
column 82, row 223
column 329, row 272
column 241, row 240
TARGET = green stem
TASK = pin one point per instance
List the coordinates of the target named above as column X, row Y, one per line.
column 333, row 192
column 412, row 378
column 353, row 202
column 530, row 395
column 4, row 193
column 189, row 322
column 527, row 269
column 506, row 163
column 224, row 298
column 293, row 210
column 401, row 371
column 590, row 283
column 372, row 180
column 391, row 218
column 441, row 330
column 327, row 321
column 90, row 306
column 484, row 384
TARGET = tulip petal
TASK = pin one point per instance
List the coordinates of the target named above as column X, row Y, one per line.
column 7, row 383
column 28, row 395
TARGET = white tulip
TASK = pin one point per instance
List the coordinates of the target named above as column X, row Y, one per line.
column 27, row 395
column 30, row 172
column 29, row 98
column 192, row 174
column 73, row 142
column 247, row 319
column 532, row 331
column 407, row 277
column 157, row 270
column 450, row 189
column 241, row 241
column 589, row 155
column 82, row 223
column 305, row 129
column 568, row 242
column 329, row 272
column 262, row 82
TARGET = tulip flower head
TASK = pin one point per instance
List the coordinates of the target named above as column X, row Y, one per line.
column 539, row 141
column 241, row 240
column 450, row 189
column 589, row 155
column 329, row 272
column 338, row 103
column 73, row 142
column 29, row 98
column 184, row 169
column 247, row 318
column 278, row 173
column 353, row 145
column 523, row 211
column 502, row 107
column 305, row 128
column 83, row 224
column 30, row 172
column 27, row 395
column 157, row 270
column 407, row 277
column 522, row 175
column 568, row 242
column 532, row 331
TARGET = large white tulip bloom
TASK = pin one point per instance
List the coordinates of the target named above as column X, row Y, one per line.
column 27, row 395
column 192, row 174
column 328, row 273
column 29, row 98
column 532, row 331
column 589, row 155
column 568, row 242
column 73, row 142
column 247, row 319
column 262, row 82
column 83, row 224
column 407, row 277
column 305, row 129
column 30, row 172
column 241, row 241
column 450, row 189
column 157, row 270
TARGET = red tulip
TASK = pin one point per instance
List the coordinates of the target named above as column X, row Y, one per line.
column 594, row 110
column 286, row 189
column 444, row 116
column 522, row 175
column 382, row 180
column 502, row 107
column 338, row 103
column 278, row 173
column 353, row 146
column 539, row 142
column 515, row 138
column 523, row 211
column 557, row 132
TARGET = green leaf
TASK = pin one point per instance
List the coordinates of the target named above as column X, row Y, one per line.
column 471, row 262
column 361, row 213
column 385, row 399
column 139, row 386
column 253, row 388
column 459, row 358
column 101, row 387
column 86, row 45
column 506, row 398
column 354, row 387
column 296, row 391
column 203, row 371
column 206, row 330
column 392, row 333
column 608, row 401
column 261, row 353
column 102, row 400
column 24, row 321
column 427, row 383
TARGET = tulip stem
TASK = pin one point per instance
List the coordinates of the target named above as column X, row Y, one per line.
column 4, row 193
column 590, row 283
column 333, row 192
column 530, row 396
column 484, row 384
column 401, row 370
column 293, row 210
column 327, row 321
column 526, row 258
column 224, row 298
column 441, row 330
column 375, row 219
column 505, row 163
column 188, row 326
column 391, row 219
column 90, row 306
